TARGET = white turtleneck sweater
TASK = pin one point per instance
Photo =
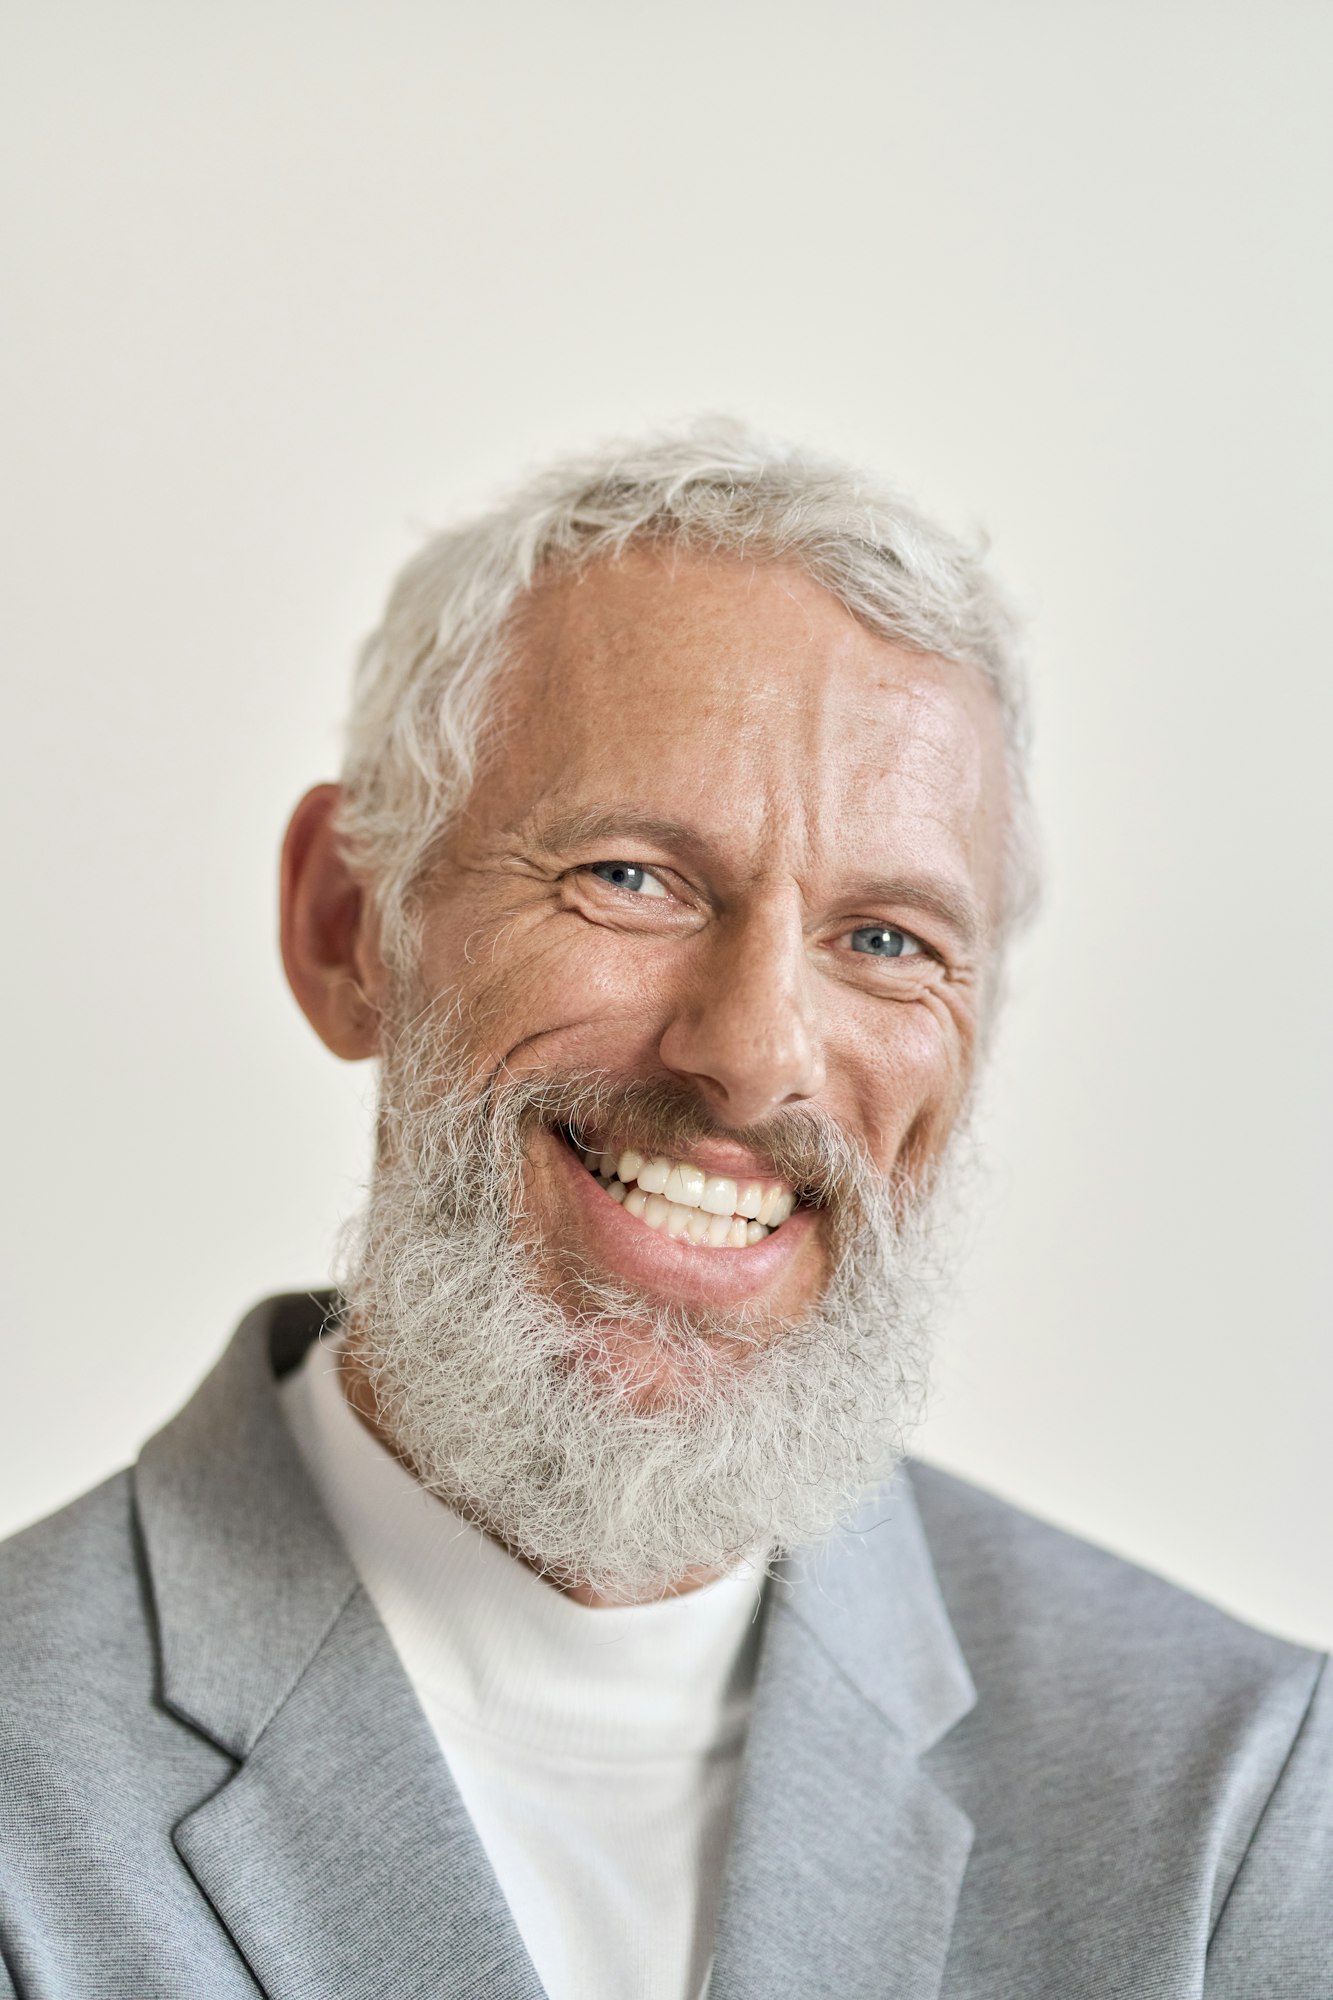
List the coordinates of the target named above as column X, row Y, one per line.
column 596, row 1751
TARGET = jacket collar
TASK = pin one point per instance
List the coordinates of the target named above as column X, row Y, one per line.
column 340, row 1856
column 846, row 1857
column 248, row 1575
column 871, row 1600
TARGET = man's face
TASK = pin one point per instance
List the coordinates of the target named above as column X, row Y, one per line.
column 729, row 842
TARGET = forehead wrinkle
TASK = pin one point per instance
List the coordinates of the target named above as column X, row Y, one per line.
column 857, row 794
column 827, row 754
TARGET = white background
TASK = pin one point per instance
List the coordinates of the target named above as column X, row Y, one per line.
column 284, row 284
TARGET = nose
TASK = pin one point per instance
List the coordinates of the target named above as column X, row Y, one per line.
column 746, row 1034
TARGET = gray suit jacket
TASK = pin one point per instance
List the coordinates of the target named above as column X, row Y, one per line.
column 986, row 1762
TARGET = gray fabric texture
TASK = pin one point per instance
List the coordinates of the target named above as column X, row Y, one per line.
column 986, row 1761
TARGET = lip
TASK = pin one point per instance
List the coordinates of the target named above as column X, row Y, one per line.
column 686, row 1273
column 711, row 1156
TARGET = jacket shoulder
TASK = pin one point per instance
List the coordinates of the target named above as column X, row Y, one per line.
column 1021, row 1591
column 72, row 1592
column 1133, row 1753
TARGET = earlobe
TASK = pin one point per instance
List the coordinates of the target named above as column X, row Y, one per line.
column 328, row 931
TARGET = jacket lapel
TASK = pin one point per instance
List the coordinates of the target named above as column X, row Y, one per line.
column 339, row 1856
column 846, row 1856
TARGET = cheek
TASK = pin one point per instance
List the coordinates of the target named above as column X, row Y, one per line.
column 556, row 984
column 912, row 1073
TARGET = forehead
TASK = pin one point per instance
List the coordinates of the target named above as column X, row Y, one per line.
column 744, row 701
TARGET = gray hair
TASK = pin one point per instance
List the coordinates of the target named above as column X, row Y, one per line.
column 427, row 673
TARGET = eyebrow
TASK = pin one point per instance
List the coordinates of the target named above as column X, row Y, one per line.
column 950, row 903
column 947, row 901
column 596, row 823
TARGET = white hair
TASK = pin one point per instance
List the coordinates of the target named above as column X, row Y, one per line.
column 529, row 1414
column 427, row 673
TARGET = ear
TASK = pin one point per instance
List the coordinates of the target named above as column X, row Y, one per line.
column 330, row 936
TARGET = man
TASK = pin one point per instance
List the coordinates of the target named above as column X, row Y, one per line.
column 541, row 1614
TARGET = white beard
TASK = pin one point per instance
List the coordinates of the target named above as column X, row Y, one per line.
column 519, row 1411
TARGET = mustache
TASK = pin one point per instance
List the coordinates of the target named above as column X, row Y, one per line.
column 802, row 1146
column 439, row 1112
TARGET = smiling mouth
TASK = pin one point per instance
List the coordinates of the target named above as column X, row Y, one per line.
column 683, row 1201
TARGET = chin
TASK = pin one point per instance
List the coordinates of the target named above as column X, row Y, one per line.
column 650, row 1363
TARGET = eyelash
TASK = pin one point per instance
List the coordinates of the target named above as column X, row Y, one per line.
column 638, row 867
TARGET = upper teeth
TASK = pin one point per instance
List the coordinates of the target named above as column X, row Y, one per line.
column 705, row 1208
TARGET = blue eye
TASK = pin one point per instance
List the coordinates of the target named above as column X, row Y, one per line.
column 885, row 941
column 630, row 875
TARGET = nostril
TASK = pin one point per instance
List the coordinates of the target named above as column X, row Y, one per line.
column 745, row 1085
